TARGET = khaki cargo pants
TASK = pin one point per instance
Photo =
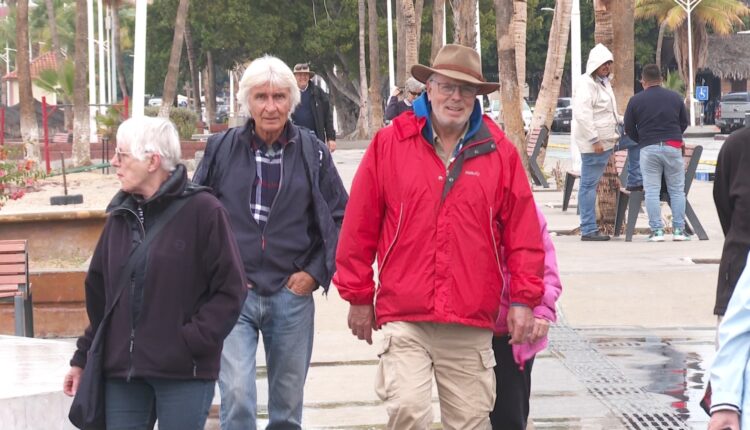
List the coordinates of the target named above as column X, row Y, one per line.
column 462, row 361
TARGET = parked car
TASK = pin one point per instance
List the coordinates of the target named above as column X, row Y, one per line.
column 496, row 110
column 563, row 114
column 732, row 110
column 154, row 101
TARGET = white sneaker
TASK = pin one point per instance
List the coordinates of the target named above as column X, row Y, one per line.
column 679, row 235
column 656, row 236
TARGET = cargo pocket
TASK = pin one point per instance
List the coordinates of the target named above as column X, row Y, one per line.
column 383, row 382
column 484, row 392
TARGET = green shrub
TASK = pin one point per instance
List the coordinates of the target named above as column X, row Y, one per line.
column 183, row 118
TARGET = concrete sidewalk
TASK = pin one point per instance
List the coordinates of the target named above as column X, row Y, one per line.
column 630, row 350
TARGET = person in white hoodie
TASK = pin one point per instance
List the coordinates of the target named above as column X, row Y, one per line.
column 595, row 115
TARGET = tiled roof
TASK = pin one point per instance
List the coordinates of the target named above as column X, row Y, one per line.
column 42, row 62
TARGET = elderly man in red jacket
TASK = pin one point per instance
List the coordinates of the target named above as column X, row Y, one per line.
column 437, row 196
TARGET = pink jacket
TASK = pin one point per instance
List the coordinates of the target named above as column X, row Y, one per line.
column 546, row 309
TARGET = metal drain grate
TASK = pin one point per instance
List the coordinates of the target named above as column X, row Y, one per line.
column 636, row 408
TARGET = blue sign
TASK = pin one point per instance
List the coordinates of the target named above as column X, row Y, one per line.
column 701, row 93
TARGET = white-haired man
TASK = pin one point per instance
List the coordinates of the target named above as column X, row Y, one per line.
column 286, row 203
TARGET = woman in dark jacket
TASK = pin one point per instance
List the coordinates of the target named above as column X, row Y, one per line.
column 164, row 337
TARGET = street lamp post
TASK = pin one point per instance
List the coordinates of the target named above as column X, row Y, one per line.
column 688, row 6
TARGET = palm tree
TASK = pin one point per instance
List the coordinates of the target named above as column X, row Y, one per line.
column 173, row 69
column 411, row 40
column 81, row 113
column 438, row 12
column 61, row 82
column 464, row 22
column 117, row 47
column 193, row 65
column 721, row 15
column 52, row 22
column 29, row 129
column 557, row 47
column 510, row 93
column 376, row 102
column 519, row 34
column 363, row 121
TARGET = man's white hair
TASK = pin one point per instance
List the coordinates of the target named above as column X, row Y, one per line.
column 267, row 70
column 151, row 135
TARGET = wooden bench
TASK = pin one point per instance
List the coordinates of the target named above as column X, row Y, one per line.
column 632, row 200
column 621, row 162
column 535, row 141
column 14, row 284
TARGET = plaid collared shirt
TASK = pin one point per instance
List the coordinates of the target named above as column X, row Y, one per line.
column 268, row 173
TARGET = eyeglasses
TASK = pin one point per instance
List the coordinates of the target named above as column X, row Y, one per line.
column 415, row 94
column 466, row 91
column 119, row 153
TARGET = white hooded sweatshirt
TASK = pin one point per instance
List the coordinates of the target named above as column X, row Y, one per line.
column 594, row 105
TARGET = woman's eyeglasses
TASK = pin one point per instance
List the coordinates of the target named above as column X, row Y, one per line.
column 119, row 153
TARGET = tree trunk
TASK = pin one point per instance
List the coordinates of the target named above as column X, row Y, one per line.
column 363, row 121
column 660, row 42
column 557, row 47
column 624, row 52
column 438, row 12
column 411, row 44
column 29, row 129
column 519, row 36
column 173, row 68
column 118, row 51
column 209, row 87
column 194, row 75
column 81, row 112
column 418, row 8
column 606, row 191
column 465, row 22
column 53, row 31
column 603, row 30
column 510, row 94
column 400, row 44
column 376, row 100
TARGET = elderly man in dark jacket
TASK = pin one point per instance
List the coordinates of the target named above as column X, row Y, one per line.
column 314, row 110
column 286, row 203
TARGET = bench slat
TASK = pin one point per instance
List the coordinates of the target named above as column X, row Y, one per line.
column 12, row 269
column 9, row 248
column 13, row 279
column 13, row 258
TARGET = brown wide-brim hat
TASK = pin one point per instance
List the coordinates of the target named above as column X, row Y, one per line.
column 303, row 68
column 457, row 62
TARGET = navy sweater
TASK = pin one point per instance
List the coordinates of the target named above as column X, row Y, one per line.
column 655, row 115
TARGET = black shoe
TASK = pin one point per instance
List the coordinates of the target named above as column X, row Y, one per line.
column 634, row 188
column 594, row 237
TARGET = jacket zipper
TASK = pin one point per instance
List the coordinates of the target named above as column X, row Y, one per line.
column 393, row 242
column 273, row 203
column 131, row 368
column 494, row 249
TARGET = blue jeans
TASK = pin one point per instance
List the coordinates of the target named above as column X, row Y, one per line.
column 657, row 160
column 180, row 404
column 635, row 179
column 592, row 168
column 286, row 322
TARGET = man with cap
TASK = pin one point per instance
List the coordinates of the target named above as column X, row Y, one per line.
column 314, row 110
column 442, row 200
column 395, row 106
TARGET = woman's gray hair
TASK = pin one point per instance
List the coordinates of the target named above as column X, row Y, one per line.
column 151, row 135
column 267, row 70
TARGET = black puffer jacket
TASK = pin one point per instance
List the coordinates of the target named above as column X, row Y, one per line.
column 182, row 301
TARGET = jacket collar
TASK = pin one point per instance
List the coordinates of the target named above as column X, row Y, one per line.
column 176, row 185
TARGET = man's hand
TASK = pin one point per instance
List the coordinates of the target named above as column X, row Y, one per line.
column 541, row 327
column 301, row 283
column 362, row 321
column 71, row 381
column 520, row 324
column 598, row 147
column 396, row 91
column 724, row 420
column 331, row 146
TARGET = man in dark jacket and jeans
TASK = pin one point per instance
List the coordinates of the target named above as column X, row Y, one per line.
column 656, row 118
column 732, row 199
column 314, row 110
column 286, row 203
